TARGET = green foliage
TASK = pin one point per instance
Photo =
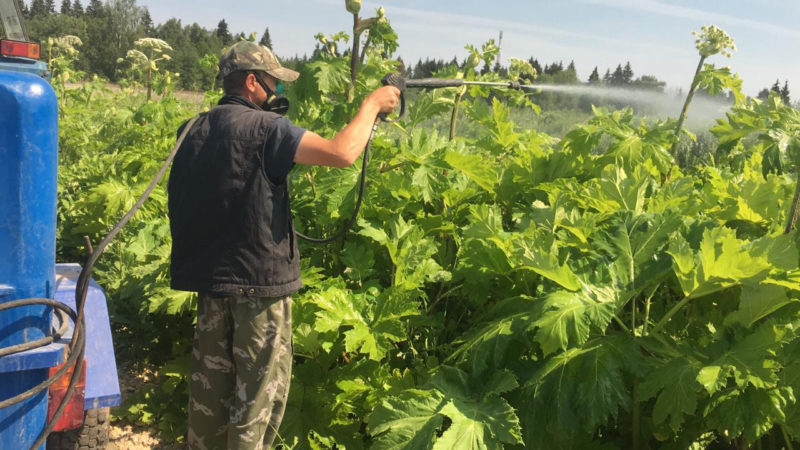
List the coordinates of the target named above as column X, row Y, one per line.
column 503, row 289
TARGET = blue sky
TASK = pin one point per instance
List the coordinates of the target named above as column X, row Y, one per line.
column 654, row 35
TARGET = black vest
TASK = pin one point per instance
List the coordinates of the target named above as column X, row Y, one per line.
column 231, row 226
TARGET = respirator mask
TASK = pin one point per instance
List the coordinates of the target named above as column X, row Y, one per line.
column 276, row 102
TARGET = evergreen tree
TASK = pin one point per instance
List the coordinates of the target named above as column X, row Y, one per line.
column 486, row 69
column 77, row 9
column 776, row 88
column 627, row 73
column 38, row 8
column 26, row 13
column 66, row 7
column 94, row 9
column 785, row 93
column 763, row 94
column 403, row 69
column 536, row 65
column 223, row 34
column 51, row 6
column 147, row 23
column 607, row 77
column 500, row 70
column 618, row 77
column 594, row 77
column 554, row 68
column 266, row 40
column 571, row 66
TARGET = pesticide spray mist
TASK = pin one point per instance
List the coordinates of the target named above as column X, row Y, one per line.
column 657, row 104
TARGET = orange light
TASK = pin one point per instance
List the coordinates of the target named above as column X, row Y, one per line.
column 73, row 414
column 19, row 49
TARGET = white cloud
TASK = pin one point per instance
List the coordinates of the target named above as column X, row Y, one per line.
column 458, row 24
column 682, row 12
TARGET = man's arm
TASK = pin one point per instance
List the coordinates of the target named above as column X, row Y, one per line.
column 347, row 145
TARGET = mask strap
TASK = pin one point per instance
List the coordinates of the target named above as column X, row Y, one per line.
column 270, row 92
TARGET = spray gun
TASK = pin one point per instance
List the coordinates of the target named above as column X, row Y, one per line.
column 402, row 84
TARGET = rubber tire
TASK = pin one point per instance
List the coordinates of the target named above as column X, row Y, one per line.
column 92, row 435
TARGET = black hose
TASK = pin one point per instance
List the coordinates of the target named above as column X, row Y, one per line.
column 47, row 340
column 359, row 199
column 78, row 344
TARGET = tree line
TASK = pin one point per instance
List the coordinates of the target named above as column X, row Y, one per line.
column 109, row 29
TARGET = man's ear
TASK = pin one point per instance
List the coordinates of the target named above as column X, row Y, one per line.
column 250, row 82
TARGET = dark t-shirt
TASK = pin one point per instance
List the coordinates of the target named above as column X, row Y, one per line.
column 280, row 148
column 281, row 144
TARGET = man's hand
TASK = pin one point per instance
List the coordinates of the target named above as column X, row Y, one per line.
column 385, row 98
column 344, row 148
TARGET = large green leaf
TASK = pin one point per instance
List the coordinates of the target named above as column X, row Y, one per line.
column 475, row 167
column 408, row 421
column 478, row 418
column 479, row 425
column 676, row 390
column 715, row 81
column 568, row 319
column 749, row 361
column 373, row 323
column 532, row 255
column 757, row 302
column 722, row 261
column 751, row 413
column 636, row 244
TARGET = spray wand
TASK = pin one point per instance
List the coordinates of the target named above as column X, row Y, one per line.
column 402, row 84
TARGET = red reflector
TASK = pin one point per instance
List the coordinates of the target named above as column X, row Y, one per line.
column 18, row 48
column 73, row 415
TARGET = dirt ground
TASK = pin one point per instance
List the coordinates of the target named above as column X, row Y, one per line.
column 188, row 96
column 123, row 436
column 126, row 437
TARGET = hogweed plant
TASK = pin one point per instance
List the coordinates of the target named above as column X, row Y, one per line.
column 145, row 55
column 62, row 52
column 710, row 41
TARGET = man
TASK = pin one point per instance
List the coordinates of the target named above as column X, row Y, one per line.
column 234, row 244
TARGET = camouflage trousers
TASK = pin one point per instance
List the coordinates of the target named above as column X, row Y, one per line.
column 241, row 367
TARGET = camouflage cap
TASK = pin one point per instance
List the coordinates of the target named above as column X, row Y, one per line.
column 247, row 55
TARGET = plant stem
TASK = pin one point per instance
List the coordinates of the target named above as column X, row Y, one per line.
column 454, row 117
column 364, row 50
column 671, row 313
column 635, row 412
column 786, row 438
column 647, row 310
column 393, row 166
column 794, row 210
column 354, row 59
column 149, row 82
column 311, row 182
column 444, row 295
column 621, row 324
column 685, row 110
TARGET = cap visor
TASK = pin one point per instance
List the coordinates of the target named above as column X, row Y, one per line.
column 284, row 74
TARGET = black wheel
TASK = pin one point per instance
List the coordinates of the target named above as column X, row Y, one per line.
column 92, row 435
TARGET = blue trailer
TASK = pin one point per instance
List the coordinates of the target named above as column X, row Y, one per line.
column 38, row 296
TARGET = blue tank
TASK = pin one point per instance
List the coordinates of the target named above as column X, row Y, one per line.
column 28, row 186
